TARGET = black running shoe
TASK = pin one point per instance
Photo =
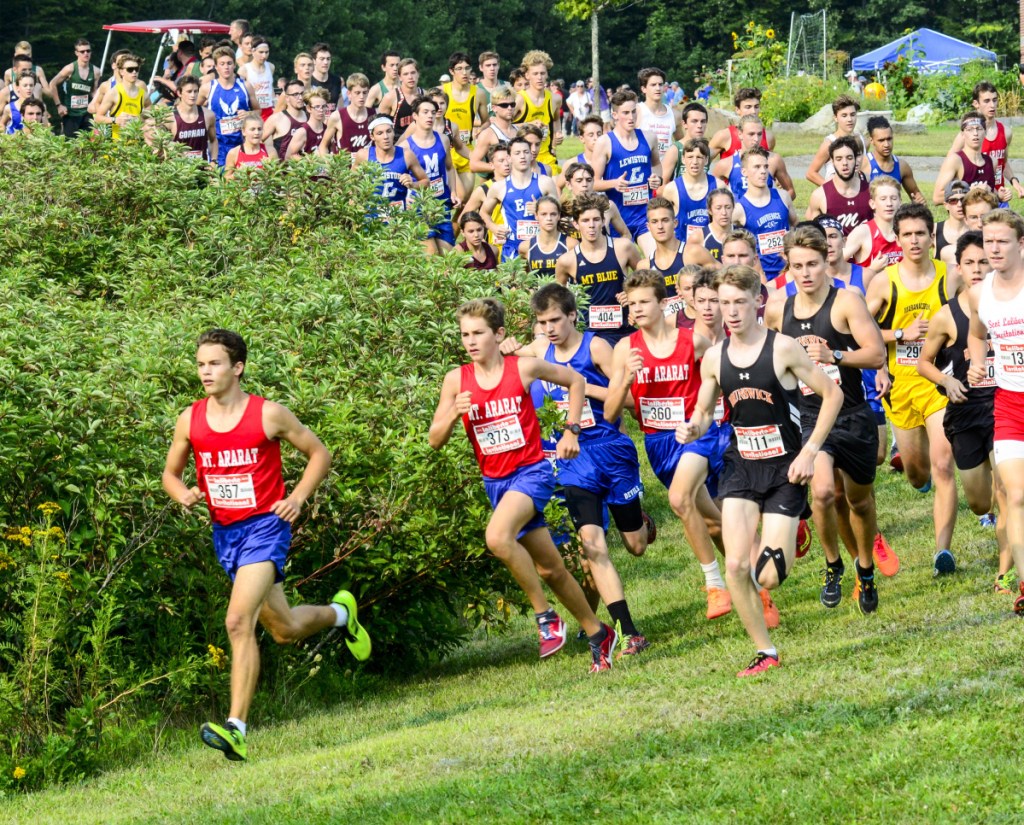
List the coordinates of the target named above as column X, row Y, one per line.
column 832, row 586
column 867, row 598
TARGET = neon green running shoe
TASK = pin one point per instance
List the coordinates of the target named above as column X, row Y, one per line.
column 226, row 738
column 356, row 637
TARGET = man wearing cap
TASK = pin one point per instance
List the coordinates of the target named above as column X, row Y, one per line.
column 948, row 232
column 579, row 106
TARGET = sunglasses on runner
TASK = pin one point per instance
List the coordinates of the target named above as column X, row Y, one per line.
column 131, row 69
column 503, row 105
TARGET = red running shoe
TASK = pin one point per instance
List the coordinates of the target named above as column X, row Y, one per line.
column 762, row 662
column 803, row 539
column 552, row 635
column 601, row 654
column 1018, row 606
column 885, row 559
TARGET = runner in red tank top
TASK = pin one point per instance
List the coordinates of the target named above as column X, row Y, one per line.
column 490, row 396
column 726, row 142
column 251, row 153
column 873, row 245
column 236, row 438
column 661, row 364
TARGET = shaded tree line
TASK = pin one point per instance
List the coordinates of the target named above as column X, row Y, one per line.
column 679, row 38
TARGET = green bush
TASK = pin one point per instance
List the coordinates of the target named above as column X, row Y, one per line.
column 951, row 94
column 113, row 262
column 794, row 99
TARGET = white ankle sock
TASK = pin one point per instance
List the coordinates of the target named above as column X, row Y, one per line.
column 342, row 615
column 712, row 575
column 238, row 723
column 770, row 651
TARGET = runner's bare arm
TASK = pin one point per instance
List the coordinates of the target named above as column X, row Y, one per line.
column 531, row 369
column 817, row 162
column 280, row 422
column 625, row 363
column 704, row 409
column 977, row 338
column 177, row 460
column 952, row 168
column 450, row 408
column 937, row 338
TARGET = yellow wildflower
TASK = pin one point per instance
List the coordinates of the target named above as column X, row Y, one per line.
column 770, row 34
column 217, row 657
column 750, row 44
column 19, row 772
column 63, row 577
column 735, row 36
column 49, row 508
column 750, row 26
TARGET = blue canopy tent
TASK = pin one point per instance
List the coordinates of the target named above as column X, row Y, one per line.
column 941, row 53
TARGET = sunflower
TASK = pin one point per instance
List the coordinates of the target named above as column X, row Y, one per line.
column 770, row 34
column 750, row 44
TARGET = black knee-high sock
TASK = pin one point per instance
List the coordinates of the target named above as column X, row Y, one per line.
column 619, row 611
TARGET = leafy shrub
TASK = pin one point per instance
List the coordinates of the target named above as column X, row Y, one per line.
column 113, row 262
column 951, row 93
column 794, row 99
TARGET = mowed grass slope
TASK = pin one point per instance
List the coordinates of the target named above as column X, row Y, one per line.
column 909, row 715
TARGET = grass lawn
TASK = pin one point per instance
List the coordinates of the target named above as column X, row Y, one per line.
column 905, row 716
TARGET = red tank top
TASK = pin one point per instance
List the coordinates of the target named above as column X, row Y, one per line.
column 502, row 424
column 255, row 160
column 239, row 471
column 354, row 136
column 734, row 142
column 880, row 245
column 665, row 390
column 996, row 149
column 851, row 212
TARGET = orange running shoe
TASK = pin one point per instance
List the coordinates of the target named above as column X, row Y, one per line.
column 719, row 602
column 771, row 612
column 803, row 539
column 886, row 560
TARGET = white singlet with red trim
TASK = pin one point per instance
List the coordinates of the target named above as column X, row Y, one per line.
column 1005, row 323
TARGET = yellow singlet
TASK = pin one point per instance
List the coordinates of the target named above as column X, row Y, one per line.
column 461, row 115
column 126, row 105
column 545, row 112
column 904, row 306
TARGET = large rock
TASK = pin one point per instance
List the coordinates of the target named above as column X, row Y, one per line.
column 821, row 121
column 720, row 119
column 922, row 113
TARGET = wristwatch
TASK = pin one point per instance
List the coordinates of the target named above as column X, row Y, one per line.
column 573, row 428
column 897, row 335
column 837, row 356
